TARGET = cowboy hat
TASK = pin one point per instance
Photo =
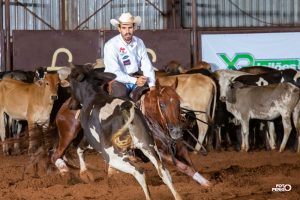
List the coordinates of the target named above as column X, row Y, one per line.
column 126, row 18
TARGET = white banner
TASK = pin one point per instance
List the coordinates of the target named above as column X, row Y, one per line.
column 233, row 51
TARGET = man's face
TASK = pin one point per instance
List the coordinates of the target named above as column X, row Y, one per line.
column 126, row 31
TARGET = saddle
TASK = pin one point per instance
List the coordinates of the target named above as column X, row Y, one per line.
column 136, row 94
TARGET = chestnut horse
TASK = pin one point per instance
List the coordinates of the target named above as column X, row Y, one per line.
column 161, row 108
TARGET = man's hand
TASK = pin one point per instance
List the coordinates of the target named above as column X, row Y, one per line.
column 141, row 80
column 152, row 88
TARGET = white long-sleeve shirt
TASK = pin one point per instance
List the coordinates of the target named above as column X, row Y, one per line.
column 123, row 59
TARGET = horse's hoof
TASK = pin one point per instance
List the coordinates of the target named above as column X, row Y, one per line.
column 31, row 150
column 86, row 176
column 61, row 166
column 201, row 180
column 16, row 152
column 6, row 153
column 111, row 171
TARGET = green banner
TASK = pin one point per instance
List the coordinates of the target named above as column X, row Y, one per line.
column 233, row 63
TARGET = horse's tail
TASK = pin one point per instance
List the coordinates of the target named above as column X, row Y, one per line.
column 128, row 113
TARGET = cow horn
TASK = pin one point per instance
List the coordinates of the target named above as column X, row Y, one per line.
column 153, row 54
column 296, row 76
column 54, row 58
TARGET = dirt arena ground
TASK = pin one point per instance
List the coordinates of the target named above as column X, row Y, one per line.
column 234, row 175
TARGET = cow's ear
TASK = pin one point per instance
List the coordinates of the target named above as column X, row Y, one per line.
column 64, row 83
column 64, row 72
column 40, row 73
column 39, row 82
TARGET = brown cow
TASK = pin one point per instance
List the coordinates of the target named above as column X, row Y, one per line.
column 28, row 101
column 198, row 93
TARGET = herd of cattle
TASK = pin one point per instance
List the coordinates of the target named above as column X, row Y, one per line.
column 253, row 97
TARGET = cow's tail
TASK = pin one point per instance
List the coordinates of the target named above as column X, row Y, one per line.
column 118, row 140
column 213, row 108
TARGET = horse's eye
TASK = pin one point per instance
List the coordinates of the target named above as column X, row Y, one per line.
column 162, row 105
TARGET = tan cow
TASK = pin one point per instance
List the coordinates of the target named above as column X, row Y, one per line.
column 28, row 101
column 198, row 93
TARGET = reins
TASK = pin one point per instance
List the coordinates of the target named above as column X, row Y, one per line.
column 186, row 111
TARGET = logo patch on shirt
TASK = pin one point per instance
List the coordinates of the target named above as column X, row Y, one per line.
column 125, row 57
column 126, row 62
column 122, row 50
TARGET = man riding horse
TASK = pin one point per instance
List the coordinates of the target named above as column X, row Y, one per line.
column 126, row 56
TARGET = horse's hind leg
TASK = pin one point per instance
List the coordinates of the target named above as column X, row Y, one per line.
column 162, row 171
column 121, row 163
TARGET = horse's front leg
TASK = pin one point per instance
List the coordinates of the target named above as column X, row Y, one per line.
column 185, row 168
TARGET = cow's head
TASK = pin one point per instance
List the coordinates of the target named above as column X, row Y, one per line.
column 83, row 76
column 49, row 83
column 231, row 92
column 225, row 77
column 50, row 80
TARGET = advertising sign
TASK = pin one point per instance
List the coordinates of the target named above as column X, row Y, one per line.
column 234, row 51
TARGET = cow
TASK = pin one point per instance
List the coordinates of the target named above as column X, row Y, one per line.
column 286, row 75
column 197, row 93
column 265, row 103
column 273, row 77
column 28, row 101
column 14, row 127
column 257, row 69
column 25, row 76
column 112, row 126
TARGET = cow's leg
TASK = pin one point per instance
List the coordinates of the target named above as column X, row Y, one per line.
column 31, row 136
column 271, row 136
column 298, row 148
column 162, row 171
column 296, row 118
column 120, row 163
column 245, row 134
column 85, row 175
column 202, row 129
column 18, row 127
column 287, row 130
column 217, row 133
column 2, row 133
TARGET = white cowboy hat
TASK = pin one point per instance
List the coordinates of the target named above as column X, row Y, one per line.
column 126, row 18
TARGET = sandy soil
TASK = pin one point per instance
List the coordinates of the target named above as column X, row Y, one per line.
column 234, row 175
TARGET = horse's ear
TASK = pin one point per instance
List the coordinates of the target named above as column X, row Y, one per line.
column 175, row 84
column 157, row 84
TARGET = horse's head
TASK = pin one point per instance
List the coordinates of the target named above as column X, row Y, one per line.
column 162, row 105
